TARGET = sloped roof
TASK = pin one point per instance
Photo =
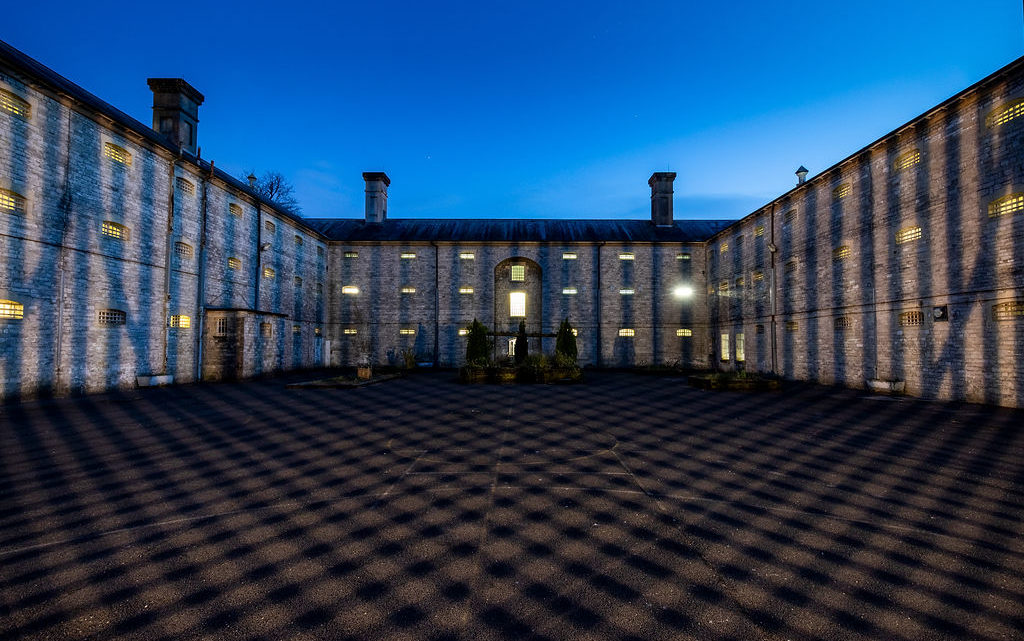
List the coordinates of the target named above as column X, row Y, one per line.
column 515, row 230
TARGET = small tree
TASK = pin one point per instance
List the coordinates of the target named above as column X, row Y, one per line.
column 272, row 185
column 478, row 348
column 522, row 346
column 565, row 343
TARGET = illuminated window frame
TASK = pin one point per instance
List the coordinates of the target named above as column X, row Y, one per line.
column 12, row 202
column 842, row 191
column 465, row 290
column 118, row 154
column 757, row 276
column 723, row 247
column 234, row 263
column 627, row 332
column 406, row 331
column 268, row 272
column 569, row 256
column 463, row 332
column 569, row 291
column 180, row 321
column 235, row 210
column 467, row 256
column 408, row 290
column 183, row 250
column 723, row 288
column 350, row 290
column 1005, row 113
column 792, row 326
column 741, row 350
column 350, row 331
column 758, row 231
column 518, row 273
column 684, row 332
column 1008, row 311
column 725, row 352
column 185, row 186
column 111, row 317
column 1006, row 205
column 628, row 291
column 841, row 253
column 912, row 318
column 407, row 255
column 517, row 304
column 739, row 283
column 683, row 256
column 907, row 159
column 11, row 310
column 908, row 234
column 351, row 254
column 15, row 105
column 627, row 256
column 116, row 231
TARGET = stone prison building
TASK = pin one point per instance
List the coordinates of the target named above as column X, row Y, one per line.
column 126, row 259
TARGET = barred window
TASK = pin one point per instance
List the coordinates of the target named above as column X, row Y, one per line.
column 1006, row 205
column 11, row 309
column 407, row 331
column 518, row 272
column 183, row 250
column 684, row 332
column 757, row 276
column 109, row 317
column 1012, row 310
column 569, row 291
column 840, row 192
column 626, row 256
column 723, row 247
column 234, row 263
column 792, row 326
column 298, row 281
column 683, row 256
column 235, row 210
column 908, row 234
column 569, row 256
column 911, row 319
column 298, row 240
column 185, row 186
column 841, row 322
column 181, row 321
column 15, row 105
column 467, row 256
column 12, row 202
column 351, row 254
column 350, row 331
column 268, row 272
column 269, row 226
column 296, row 329
column 841, row 253
column 407, row 255
column 120, row 155
column 225, row 326
column 907, row 159
column 114, row 230
column 627, row 332
column 628, row 291
column 463, row 332
column 758, row 231
column 318, row 331
column 517, row 304
column 408, row 290
column 266, row 330
column 351, row 290
column 465, row 290
column 723, row 287
column 1005, row 113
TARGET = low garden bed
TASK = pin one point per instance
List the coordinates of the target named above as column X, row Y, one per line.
column 344, row 382
column 734, row 381
column 523, row 374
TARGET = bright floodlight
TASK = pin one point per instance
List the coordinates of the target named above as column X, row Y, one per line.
column 683, row 291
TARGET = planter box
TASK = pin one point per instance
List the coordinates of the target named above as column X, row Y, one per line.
column 505, row 375
column 364, row 373
column 735, row 384
column 563, row 375
column 473, row 374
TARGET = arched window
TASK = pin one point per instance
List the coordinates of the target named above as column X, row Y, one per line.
column 15, row 104
column 12, row 202
column 120, row 155
column 1005, row 112
column 183, row 250
column 11, row 309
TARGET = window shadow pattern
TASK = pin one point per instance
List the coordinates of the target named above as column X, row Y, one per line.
column 422, row 509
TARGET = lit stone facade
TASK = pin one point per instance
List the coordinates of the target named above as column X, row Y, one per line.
column 125, row 257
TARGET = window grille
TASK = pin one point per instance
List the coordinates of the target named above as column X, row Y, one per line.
column 841, row 322
column 725, row 347
column 465, row 290
column 518, row 273
column 407, row 255
column 723, row 247
column 569, row 256
column 296, row 329
column 684, row 332
column 112, row 317
column 185, row 187
column 1006, row 205
column 350, row 331
column 467, row 256
column 120, row 155
column 351, row 254
column 351, row 290
column 517, row 304
column 789, row 216
column 792, row 326
column 408, row 290
column 268, row 272
column 626, row 256
column 627, row 332
column 723, row 287
column 908, row 234
column 15, row 105
column 235, row 210
column 1012, row 310
column 841, row 253
column 183, row 250
column 741, row 354
column 757, row 276
column 234, row 263
column 181, row 321
column 683, row 256
column 1005, row 113
column 758, row 231
column 568, row 291
column 114, row 230
column 225, row 326
column 840, row 192
column 12, row 202
column 12, row 310
column 908, row 159
column 405, row 331
column 627, row 292
column 911, row 319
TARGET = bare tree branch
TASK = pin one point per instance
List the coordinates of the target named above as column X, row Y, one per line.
column 272, row 185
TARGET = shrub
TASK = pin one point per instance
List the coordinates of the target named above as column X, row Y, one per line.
column 565, row 342
column 522, row 346
column 478, row 348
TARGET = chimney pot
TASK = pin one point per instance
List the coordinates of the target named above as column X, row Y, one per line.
column 176, row 111
column 252, row 181
column 661, row 197
column 801, row 175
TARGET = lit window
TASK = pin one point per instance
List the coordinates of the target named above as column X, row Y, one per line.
column 683, row 256
column 723, row 287
column 568, row 255
column 627, row 292
column 234, row 263
column 119, row 155
column 1005, row 113
column 723, row 247
column 185, row 186
column 627, row 331
column 269, row 226
column 318, row 331
column 758, row 231
column 517, row 304
column 268, row 272
column 408, row 290
column 740, row 282
column 842, row 191
column 626, row 256
column 180, row 321
column 266, row 329
column 406, row 331
column 296, row 329
column 908, row 159
column 569, row 290
column 841, row 322
column 684, row 332
column 351, row 331
column 184, row 250
column 350, row 289
column 298, row 281
column 12, row 202
column 14, row 104
column 757, row 276
column 740, row 350
column 1000, row 311
column 908, row 234
column 351, row 254
column 298, row 240
column 911, row 319
column 112, row 317
column 1007, row 205
column 465, row 290
column 11, row 309
column 518, row 273
column 790, row 266
column 792, row 326
column 575, row 332
column 841, row 253
column 463, row 332
column 408, row 255
column 467, row 256
column 235, row 210
column 725, row 347
column 115, row 230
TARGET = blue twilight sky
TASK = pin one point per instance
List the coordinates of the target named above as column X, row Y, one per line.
column 530, row 109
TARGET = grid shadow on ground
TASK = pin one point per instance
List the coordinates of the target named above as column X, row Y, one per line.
column 626, row 508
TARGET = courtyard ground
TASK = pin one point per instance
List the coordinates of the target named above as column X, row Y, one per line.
column 626, row 508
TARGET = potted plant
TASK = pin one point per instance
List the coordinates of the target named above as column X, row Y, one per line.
column 364, row 371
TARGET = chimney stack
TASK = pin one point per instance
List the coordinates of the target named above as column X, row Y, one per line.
column 252, row 181
column 661, row 197
column 176, row 111
column 801, row 175
column 377, row 183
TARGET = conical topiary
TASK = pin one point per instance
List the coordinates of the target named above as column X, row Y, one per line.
column 522, row 346
column 478, row 348
column 565, row 342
